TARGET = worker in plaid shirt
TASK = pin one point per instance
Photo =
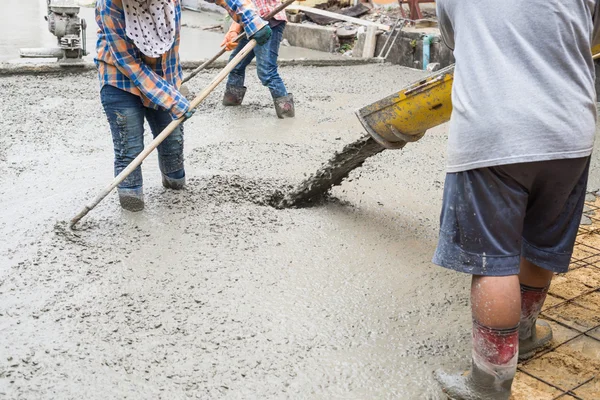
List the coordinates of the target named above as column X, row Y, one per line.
column 266, row 62
column 140, row 75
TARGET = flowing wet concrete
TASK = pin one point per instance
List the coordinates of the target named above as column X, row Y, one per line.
column 210, row 292
column 317, row 186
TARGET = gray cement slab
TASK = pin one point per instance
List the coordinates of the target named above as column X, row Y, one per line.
column 209, row 293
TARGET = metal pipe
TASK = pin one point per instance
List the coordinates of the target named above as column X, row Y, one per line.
column 41, row 52
column 389, row 37
column 399, row 31
column 427, row 40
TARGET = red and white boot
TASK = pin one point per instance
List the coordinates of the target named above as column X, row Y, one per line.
column 534, row 335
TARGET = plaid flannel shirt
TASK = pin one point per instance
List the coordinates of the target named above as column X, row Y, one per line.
column 155, row 80
column 243, row 12
column 266, row 6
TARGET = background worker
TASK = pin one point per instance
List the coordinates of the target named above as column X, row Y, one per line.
column 520, row 139
column 140, row 75
column 266, row 63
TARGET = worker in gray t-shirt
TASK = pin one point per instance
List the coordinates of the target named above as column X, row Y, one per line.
column 520, row 139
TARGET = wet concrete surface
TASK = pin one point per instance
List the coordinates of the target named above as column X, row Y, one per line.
column 211, row 293
column 22, row 24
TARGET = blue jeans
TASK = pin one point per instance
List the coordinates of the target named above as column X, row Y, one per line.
column 266, row 63
column 126, row 113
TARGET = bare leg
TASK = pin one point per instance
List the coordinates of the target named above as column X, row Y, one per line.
column 534, row 276
column 496, row 301
column 496, row 310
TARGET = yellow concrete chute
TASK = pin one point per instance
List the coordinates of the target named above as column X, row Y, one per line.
column 406, row 116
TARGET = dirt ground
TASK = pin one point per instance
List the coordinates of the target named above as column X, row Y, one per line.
column 210, row 293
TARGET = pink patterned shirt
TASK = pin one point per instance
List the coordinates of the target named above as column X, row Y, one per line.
column 266, row 6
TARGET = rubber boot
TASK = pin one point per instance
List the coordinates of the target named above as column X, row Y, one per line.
column 477, row 384
column 284, row 106
column 234, row 95
column 131, row 199
column 174, row 180
column 534, row 335
column 493, row 369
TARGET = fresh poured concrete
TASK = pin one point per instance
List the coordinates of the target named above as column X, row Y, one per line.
column 210, row 293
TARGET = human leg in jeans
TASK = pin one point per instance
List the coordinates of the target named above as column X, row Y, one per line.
column 268, row 73
column 125, row 114
column 267, row 70
column 511, row 227
column 170, row 151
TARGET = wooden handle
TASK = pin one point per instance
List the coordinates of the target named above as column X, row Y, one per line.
column 205, row 64
column 163, row 135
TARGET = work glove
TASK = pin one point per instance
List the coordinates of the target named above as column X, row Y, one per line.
column 182, row 109
column 263, row 35
column 189, row 114
column 229, row 41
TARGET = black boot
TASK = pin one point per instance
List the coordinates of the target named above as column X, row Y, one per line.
column 534, row 335
column 284, row 106
column 540, row 337
column 234, row 95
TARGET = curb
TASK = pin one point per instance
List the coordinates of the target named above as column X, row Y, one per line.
column 8, row 69
column 300, row 62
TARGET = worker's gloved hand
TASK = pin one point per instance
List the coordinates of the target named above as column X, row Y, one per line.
column 229, row 41
column 189, row 114
column 181, row 109
column 263, row 35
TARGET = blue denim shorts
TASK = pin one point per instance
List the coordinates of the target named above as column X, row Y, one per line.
column 491, row 217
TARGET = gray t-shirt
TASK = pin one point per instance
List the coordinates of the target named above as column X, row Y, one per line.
column 524, row 80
